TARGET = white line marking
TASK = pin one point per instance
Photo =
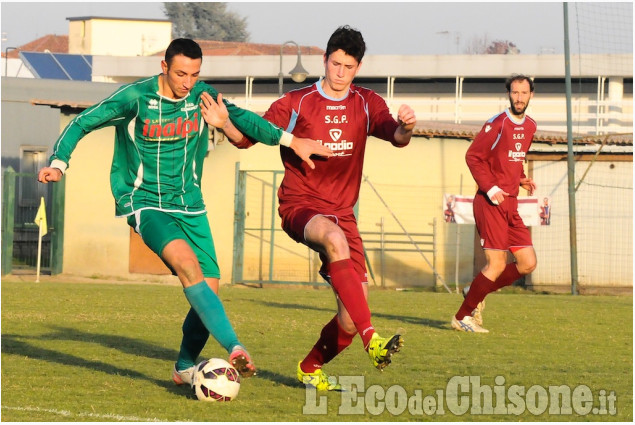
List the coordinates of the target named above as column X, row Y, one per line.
column 85, row 415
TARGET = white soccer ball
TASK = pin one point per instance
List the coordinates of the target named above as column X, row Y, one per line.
column 215, row 380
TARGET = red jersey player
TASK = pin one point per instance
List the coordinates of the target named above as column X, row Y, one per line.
column 495, row 159
column 316, row 205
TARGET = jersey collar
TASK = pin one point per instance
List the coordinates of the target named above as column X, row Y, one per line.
column 320, row 90
column 514, row 119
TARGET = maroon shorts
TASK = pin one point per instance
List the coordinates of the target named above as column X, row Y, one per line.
column 294, row 221
column 500, row 226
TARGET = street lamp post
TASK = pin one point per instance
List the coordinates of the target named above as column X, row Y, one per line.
column 6, row 59
column 298, row 74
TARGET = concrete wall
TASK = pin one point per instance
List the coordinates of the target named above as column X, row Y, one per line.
column 24, row 123
column 398, row 66
column 113, row 37
column 15, row 68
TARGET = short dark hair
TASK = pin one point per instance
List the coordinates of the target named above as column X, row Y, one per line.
column 349, row 40
column 519, row 77
column 185, row 47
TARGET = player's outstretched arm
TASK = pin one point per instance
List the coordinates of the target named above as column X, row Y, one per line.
column 216, row 114
column 304, row 148
column 49, row 174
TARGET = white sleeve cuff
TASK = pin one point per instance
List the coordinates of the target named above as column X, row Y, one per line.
column 286, row 138
column 59, row 164
column 493, row 192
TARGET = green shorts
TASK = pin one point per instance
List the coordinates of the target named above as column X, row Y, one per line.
column 158, row 228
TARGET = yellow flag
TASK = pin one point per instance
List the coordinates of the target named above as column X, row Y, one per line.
column 40, row 217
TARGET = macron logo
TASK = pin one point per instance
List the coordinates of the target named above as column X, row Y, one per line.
column 488, row 128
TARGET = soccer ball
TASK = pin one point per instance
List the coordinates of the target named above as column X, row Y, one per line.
column 215, row 380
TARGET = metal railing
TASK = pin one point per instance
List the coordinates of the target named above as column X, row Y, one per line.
column 20, row 233
column 384, row 243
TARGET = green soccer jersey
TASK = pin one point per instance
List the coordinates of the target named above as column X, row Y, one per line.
column 160, row 144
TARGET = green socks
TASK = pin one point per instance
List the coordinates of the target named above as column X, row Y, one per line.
column 207, row 316
column 195, row 336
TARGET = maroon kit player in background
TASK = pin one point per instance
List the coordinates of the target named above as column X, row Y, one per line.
column 316, row 206
column 495, row 159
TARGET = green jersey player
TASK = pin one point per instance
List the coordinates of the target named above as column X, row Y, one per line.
column 161, row 139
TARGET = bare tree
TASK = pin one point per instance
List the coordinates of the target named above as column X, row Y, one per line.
column 481, row 45
column 208, row 21
column 477, row 45
column 499, row 47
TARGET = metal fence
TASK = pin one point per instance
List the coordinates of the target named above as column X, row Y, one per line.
column 264, row 254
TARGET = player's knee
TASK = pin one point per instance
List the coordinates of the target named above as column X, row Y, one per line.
column 494, row 268
column 527, row 266
column 336, row 244
column 185, row 263
column 188, row 267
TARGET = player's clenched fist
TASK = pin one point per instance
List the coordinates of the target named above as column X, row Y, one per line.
column 49, row 174
column 406, row 117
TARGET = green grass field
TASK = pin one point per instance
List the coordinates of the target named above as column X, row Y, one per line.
column 104, row 352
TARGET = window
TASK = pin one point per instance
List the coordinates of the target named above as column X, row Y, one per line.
column 32, row 158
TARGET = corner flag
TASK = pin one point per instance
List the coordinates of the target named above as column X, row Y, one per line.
column 40, row 218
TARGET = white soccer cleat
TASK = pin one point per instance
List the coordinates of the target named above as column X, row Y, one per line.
column 477, row 313
column 184, row 376
column 467, row 324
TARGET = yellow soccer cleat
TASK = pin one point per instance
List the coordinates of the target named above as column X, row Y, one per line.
column 380, row 350
column 318, row 379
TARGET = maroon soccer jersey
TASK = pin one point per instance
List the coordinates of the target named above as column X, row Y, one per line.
column 496, row 156
column 341, row 124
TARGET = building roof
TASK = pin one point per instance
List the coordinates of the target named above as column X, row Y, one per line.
column 433, row 129
column 53, row 43
column 59, row 44
column 236, row 48
column 110, row 18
